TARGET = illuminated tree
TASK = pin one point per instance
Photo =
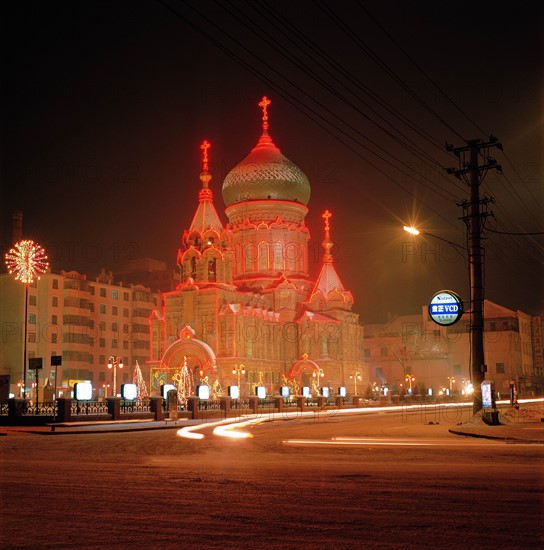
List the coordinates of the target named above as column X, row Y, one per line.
column 27, row 260
column 138, row 379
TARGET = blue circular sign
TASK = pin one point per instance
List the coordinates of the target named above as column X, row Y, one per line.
column 445, row 308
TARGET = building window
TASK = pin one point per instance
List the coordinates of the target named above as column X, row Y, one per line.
column 32, row 318
column 115, row 310
column 102, row 342
column 125, row 345
column 457, row 370
column 125, row 296
column 115, row 294
column 102, row 292
column 102, row 325
column 114, row 344
column 102, row 308
column 211, row 270
column 53, row 319
column 383, row 351
column 114, row 327
column 379, row 374
column 55, row 283
column 32, row 337
column 193, row 267
column 54, row 338
column 248, row 253
column 278, row 256
column 55, row 301
column 125, row 312
column 32, row 300
column 499, row 368
column 263, row 257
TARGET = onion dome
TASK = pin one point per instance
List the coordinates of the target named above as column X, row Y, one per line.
column 266, row 174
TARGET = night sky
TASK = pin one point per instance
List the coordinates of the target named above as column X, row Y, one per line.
column 106, row 104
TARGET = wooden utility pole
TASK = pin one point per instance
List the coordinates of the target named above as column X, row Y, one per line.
column 474, row 216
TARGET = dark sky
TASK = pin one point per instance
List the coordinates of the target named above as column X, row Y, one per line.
column 106, row 104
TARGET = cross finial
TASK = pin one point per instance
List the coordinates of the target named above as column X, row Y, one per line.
column 205, row 146
column 327, row 243
column 264, row 104
column 326, row 215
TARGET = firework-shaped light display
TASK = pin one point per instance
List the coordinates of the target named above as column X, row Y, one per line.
column 27, row 260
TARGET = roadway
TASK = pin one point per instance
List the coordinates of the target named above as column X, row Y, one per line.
column 374, row 480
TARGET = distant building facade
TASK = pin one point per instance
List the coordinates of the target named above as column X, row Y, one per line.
column 412, row 349
column 82, row 320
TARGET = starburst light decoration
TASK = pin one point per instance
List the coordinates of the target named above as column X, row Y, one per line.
column 27, row 260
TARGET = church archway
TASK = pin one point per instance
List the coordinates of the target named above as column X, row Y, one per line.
column 199, row 356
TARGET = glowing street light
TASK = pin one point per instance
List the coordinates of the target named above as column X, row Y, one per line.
column 451, row 380
column 27, row 260
column 474, row 265
column 410, row 379
column 356, row 376
column 106, row 387
column 239, row 370
column 316, row 375
column 113, row 363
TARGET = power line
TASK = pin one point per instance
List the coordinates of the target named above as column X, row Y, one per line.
column 330, row 13
column 297, row 103
column 419, row 68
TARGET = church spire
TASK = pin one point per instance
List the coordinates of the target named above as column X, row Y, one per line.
column 265, row 102
column 328, row 283
column 265, row 141
column 206, row 217
column 205, row 175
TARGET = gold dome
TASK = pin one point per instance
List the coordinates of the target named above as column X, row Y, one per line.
column 266, row 174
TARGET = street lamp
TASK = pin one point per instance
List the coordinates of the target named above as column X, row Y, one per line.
column 113, row 363
column 316, row 375
column 451, row 380
column 474, row 259
column 239, row 370
column 356, row 376
column 410, row 379
column 105, row 386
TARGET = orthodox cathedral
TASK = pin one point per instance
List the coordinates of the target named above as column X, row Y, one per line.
column 246, row 311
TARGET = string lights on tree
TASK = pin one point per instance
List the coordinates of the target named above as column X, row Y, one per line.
column 27, row 261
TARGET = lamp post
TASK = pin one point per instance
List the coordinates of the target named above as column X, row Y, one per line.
column 113, row 363
column 239, row 370
column 410, row 379
column 474, row 260
column 451, row 380
column 27, row 261
column 105, row 386
column 316, row 375
column 356, row 376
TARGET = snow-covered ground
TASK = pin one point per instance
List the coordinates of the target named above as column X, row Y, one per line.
column 404, row 481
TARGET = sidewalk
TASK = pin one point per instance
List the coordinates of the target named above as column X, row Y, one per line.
column 523, row 425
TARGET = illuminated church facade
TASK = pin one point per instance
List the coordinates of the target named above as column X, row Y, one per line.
column 246, row 311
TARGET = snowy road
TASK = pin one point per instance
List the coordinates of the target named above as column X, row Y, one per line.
column 387, row 481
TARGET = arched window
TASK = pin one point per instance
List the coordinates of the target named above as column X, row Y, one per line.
column 278, row 256
column 237, row 259
column 249, row 257
column 291, row 259
column 263, row 257
column 212, row 264
column 303, row 259
column 193, row 267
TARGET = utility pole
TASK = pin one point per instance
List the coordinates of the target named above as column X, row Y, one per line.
column 474, row 216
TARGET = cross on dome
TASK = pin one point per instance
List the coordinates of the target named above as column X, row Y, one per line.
column 327, row 244
column 205, row 146
column 264, row 103
column 326, row 215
